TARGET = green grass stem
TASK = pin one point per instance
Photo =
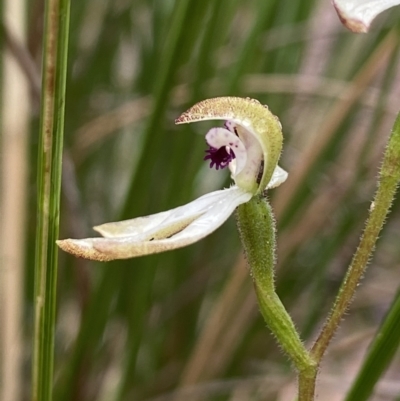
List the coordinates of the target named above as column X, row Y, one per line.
column 49, row 185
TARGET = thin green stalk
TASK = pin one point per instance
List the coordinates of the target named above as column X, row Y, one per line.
column 49, row 184
column 388, row 182
column 257, row 231
column 306, row 384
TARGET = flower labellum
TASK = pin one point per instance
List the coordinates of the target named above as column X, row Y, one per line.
column 219, row 157
column 249, row 144
column 357, row 15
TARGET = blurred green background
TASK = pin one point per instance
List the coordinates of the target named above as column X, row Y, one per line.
column 185, row 325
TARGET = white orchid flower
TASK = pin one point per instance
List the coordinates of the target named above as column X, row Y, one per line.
column 250, row 144
column 357, row 15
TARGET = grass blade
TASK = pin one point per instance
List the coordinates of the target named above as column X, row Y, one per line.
column 49, row 184
column 381, row 352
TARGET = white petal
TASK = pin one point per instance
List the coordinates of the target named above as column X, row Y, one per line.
column 179, row 227
column 254, row 157
column 279, row 176
column 150, row 226
column 134, row 226
column 219, row 137
column 357, row 15
column 249, row 171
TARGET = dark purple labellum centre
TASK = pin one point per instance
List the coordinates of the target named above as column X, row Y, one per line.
column 219, row 158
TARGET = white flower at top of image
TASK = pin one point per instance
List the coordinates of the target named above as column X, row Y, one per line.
column 249, row 144
column 357, row 15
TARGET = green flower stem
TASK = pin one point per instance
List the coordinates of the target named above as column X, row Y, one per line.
column 49, row 183
column 388, row 181
column 257, row 231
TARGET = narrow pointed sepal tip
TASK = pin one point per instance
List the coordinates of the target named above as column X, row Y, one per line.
column 83, row 248
column 352, row 24
column 357, row 15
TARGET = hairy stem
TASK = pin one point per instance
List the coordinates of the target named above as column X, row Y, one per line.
column 257, row 230
column 388, row 181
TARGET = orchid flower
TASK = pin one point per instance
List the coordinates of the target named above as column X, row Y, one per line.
column 249, row 144
column 357, row 15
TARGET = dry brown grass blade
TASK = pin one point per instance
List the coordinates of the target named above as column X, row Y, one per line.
column 101, row 127
column 133, row 112
column 13, row 207
column 327, row 198
column 311, row 85
column 224, row 350
column 24, row 60
column 226, row 310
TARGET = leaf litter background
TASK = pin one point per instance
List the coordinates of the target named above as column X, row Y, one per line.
column 185, row 324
